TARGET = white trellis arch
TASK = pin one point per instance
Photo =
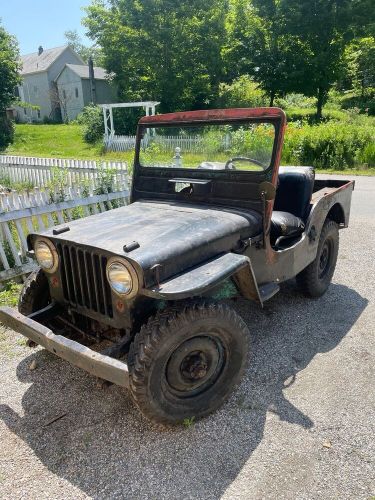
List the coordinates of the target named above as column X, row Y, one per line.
column 109, row 127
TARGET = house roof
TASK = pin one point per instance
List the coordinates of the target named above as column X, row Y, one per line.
column 35, row 63
column 83, row 71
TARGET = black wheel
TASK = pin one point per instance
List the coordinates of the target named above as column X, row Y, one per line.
column 316, row 278
column 185, row 362
column 35, row 293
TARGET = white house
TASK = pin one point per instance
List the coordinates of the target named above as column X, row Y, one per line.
column 47, row 76
column 77, row 88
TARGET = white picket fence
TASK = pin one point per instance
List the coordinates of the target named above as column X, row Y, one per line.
column 40, row 171
column 187, row 143
column 22, row 214
column 119, row 142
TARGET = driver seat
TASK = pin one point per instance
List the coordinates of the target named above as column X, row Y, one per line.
column 292, row 203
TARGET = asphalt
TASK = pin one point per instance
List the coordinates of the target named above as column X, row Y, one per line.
column 301, row 425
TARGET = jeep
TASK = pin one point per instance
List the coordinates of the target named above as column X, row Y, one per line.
column 212, row 216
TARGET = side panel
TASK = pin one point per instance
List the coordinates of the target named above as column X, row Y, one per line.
column 279, row 266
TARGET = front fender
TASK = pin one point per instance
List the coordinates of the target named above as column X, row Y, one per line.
column 200, row 279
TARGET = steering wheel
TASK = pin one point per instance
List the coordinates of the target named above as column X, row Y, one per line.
column 243, row 158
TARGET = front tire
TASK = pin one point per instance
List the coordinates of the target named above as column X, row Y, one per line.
column 315, row 280
column 35, row 293
column 186, row 361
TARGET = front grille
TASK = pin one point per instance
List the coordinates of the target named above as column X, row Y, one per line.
column 84, row 280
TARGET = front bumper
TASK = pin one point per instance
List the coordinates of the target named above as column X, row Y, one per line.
column 97, row 364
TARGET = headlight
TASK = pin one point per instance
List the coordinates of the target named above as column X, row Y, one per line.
column 46, row 255
column 122, row 278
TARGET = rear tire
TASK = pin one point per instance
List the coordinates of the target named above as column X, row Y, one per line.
column 186, row 361
column 314, row 281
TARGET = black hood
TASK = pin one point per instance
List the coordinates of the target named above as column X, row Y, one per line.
column 175, row 235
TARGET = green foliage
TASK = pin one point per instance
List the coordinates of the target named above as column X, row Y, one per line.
column 261, row 45
column 9, row 68
column 330, row 146
column 295, row 100
column 257, row 141
column 105, row 180
column 64, row 141
column 6, row 130
column 75, row 41
column 198, row 54
column 360, row 65
column 188, row 422
column 19, row 186
column 365, row 104
column 242, row 92
column 308, row 115
column 366, row 156
column 9, row 294
column 91, row 120
column 162, row 50
column 324, row 28
column 58, row 184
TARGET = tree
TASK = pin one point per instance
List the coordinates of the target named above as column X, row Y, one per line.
column 360, row 64
column 9, row 79
column 162, row 49
column 261, row 45
column 325, row 27
column 75, row 41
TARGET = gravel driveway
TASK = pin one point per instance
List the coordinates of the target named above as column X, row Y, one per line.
column 301, row 426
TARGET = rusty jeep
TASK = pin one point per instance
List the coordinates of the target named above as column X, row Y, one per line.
column 212, row 216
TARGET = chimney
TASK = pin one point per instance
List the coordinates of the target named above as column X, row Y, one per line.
column 40, row 50
column 92, row 80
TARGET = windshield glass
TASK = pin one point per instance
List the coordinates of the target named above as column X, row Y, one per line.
column 240, row 146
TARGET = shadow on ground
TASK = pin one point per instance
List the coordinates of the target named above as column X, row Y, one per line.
column 104, row 447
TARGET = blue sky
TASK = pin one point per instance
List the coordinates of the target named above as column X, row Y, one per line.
column 42, row 22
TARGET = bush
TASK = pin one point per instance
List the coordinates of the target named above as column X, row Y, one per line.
column 333, row 146
column 367, row 156
column 242, row 92
column 295, row 101
column 91, row 120
column 6, row 132
column 366, row 103
column 308, row 115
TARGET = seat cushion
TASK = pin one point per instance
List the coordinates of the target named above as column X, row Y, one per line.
column 286, row 224
column 294, row 191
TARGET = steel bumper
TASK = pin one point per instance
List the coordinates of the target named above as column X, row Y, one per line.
column 97, row 364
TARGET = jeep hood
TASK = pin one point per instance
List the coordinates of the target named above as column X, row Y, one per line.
column 176, row 236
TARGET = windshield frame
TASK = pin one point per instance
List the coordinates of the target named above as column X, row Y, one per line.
column 274, row 116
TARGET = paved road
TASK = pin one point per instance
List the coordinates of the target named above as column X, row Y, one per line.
column 301, row 426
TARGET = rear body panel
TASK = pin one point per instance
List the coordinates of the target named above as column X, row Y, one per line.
column 281, row 265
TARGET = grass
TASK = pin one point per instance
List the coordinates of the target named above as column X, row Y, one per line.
column 60, row 141
column 9, row 295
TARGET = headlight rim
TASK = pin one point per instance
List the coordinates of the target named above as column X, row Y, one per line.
column 133, row 274
column 55, row 255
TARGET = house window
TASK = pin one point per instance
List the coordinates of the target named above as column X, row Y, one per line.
column 24, row 111
column 76, row 92
column 17, row 92
column 38, row 112
column 64, row 94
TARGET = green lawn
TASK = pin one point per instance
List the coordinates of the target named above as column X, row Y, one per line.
column 58, row 141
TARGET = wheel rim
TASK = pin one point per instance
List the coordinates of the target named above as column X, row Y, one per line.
column 325, row 259
column 195, row 366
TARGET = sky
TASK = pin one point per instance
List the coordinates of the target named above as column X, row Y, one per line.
column 42, row 22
